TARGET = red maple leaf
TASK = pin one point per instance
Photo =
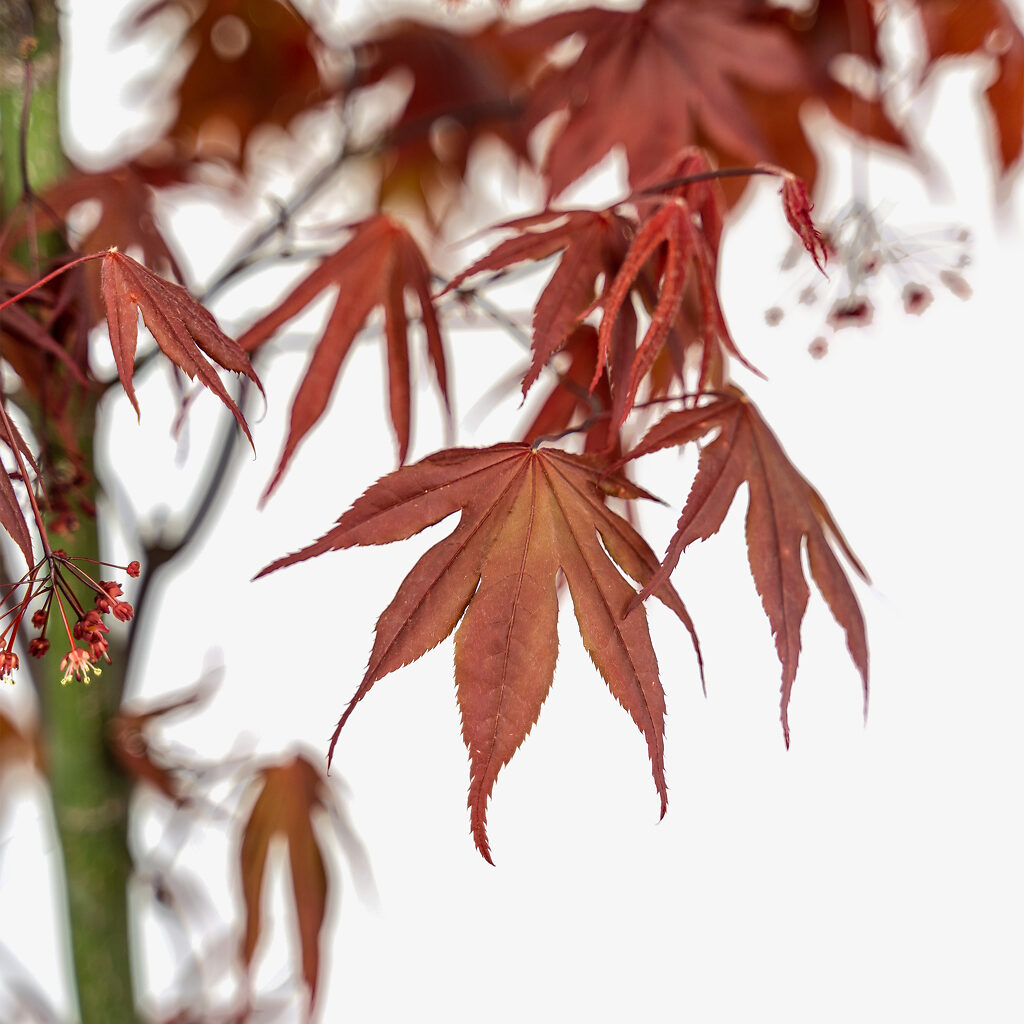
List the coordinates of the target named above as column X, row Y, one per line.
column 728, row 75
column 785, row 514
column 376, row 267
column 690, row 50
column 126, row 216
column 525, row 515
column 252, row 63
column 131, row 742
column 465, row 86
column 986, row 27
column 182, row 328
column 291, row 794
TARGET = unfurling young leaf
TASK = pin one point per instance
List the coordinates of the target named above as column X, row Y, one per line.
column 525, row 515
column 797, row 206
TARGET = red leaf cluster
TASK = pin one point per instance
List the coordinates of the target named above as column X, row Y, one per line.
column 630, row 312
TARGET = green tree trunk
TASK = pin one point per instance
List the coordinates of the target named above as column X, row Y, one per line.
column 89, row 792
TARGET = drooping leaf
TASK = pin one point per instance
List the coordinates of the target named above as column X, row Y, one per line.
column 525, row 515
column 11, row 436
column 376, row 267
column 253, row 63
column 183, row 329
column 12, row 518
column 785, row 514
column 290, row 796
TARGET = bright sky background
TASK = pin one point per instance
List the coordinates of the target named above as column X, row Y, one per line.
column 869, row 873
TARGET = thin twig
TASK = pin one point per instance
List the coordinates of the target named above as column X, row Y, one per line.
column 160, row 552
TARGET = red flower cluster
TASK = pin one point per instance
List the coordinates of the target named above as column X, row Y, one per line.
column 57, row 579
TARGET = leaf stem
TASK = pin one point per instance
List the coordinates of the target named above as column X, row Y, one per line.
column 49, row 277
column 692, row 179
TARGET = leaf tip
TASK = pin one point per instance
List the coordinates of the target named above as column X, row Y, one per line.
column 480, row 840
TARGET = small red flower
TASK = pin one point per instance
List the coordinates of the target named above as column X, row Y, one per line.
column 133, row 569
column 110, row 590
column 916, row 298
column 38, row 646
column 9, row 663
column 92, row 623
column 853, row 311
column 77, row 664
column 123, row 611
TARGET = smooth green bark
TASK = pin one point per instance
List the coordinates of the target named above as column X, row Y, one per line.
column 90, row 800
column 89, row 793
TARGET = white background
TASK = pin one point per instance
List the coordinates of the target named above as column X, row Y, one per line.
column 872, row 872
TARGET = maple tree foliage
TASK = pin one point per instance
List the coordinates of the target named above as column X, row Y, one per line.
column 699, row 98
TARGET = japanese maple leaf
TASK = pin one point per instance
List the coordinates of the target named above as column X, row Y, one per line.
column 291, row 794
column 691, row 51
column 525, row 514
column 986, row 27
column 465, row 85
column 376, row 267
column 737, row 73
column 592, row 244
column 126, row 214
column 252, row 63
column 126, row 218
column 182, row 328
column 784, row 514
